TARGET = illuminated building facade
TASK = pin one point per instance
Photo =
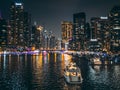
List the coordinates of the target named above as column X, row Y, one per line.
column 36, row 36
column 100, row 31
column 3, row 33
column 33, row 39
column 49, row 40
column 94, row 45
column 45, row 39
column 20, row 25
column 27, row 29
column 52, row 42
column 42, row 39
column 67, row 29
column 79, row 21
column 9, row 35
column 87, row 36
column 58, row 44
column 114, row 17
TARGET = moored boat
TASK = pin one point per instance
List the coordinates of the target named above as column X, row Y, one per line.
column 72, row 74
column 95, row 61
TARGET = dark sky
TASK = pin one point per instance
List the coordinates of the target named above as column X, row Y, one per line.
column 50, row 13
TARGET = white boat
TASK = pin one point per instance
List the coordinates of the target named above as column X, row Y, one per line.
column 72, row 74
column 95, row 61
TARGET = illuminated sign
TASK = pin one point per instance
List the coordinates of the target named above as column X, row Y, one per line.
column 18, row 3
column 93, row 39
column 103, row 17
column 117, row 27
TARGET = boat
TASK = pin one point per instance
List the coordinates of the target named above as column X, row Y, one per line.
column 72, row 74
column 95, row 61
column 98, row 60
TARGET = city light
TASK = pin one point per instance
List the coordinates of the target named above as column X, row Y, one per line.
column 39, row 28
column 46, row 56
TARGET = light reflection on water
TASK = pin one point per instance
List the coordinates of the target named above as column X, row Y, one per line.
column 45, row 72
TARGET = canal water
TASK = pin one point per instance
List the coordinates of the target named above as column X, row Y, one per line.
column 44, row 71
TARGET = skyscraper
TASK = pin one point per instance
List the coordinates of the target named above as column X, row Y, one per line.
column 17, row 24
column 79, row 21
column 87, row 36
column 52, row 42
column 67, row 29
column 114, row 17
column 27, row 29
column 3, row 33
column 100, row 31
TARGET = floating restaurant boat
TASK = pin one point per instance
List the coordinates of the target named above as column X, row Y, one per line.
column 72, row 74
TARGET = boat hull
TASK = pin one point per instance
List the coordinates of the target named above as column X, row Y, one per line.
column 72, row 80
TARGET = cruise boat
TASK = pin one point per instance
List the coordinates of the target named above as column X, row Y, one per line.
column 72, row 74
column 95, row 61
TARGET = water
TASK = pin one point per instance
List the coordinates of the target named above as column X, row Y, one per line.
column 45, row 72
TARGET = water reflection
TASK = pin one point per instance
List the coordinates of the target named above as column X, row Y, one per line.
column 102, row 77
column 27, row 72
column 44, row 71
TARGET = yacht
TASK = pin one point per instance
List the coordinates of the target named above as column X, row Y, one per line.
column 72, row 74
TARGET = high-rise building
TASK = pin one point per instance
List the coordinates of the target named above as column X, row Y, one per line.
column 27, row 29
column 20, row 24
column 67, row 29
column 114, row 17
column 87, row 36
column 52, row 42
column 58, row 42
column 100, row 31
column 95, row 27
column 9, row 35
column 3, row 33
column 36, row 36
column 17, row 24
column 79, row 21
column 87, row 31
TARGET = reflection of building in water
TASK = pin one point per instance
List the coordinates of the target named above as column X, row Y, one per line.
column 67, row 59
column 55, row 57
column 4, row 63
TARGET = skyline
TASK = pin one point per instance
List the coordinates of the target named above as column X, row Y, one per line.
column 51, row 14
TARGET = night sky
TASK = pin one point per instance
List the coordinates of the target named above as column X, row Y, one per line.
column 50, row 13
